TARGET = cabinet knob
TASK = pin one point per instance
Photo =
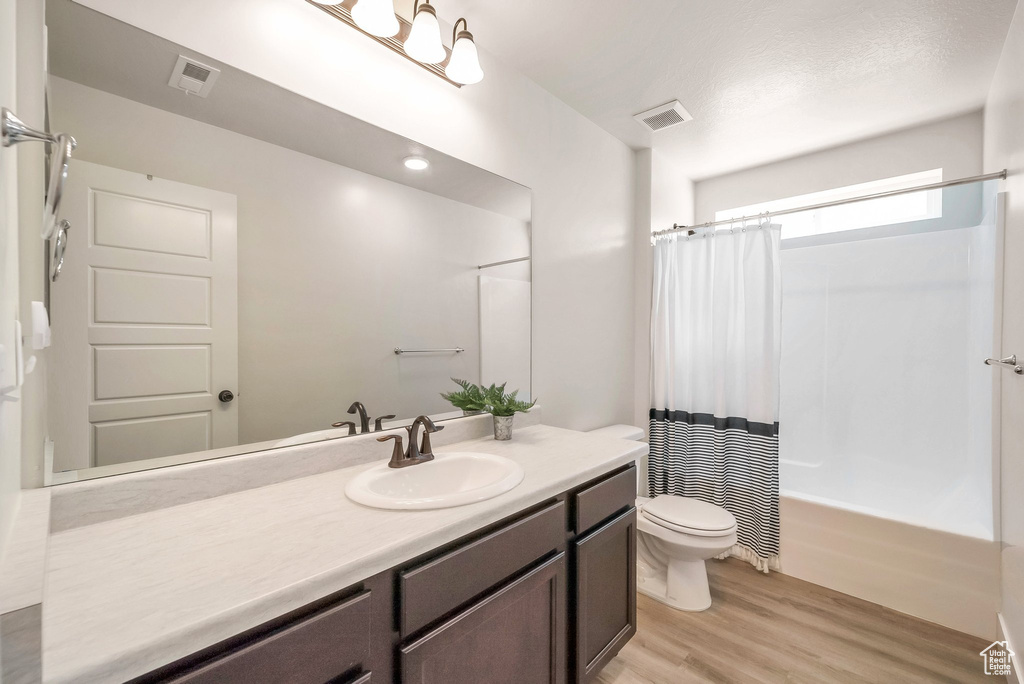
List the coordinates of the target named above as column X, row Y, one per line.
column 225, row 396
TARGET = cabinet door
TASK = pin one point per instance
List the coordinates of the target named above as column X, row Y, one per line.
column 330, row 645
column 514, row 636
column 605, row 594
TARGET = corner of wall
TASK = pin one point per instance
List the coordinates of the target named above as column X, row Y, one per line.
column 31, row 89
column 10, row 412
column 1004, row 149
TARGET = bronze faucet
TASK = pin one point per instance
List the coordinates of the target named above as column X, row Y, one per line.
column 416, row 453
column 364, row 419
column 351, row 426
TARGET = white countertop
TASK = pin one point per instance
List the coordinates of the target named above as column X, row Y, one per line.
column 125, row 596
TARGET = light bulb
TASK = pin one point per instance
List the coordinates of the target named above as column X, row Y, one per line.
column 424, row 41
column 464, row 65
column 376, row 17
column 416, row 163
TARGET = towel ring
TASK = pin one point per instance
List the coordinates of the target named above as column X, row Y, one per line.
column 59, row 247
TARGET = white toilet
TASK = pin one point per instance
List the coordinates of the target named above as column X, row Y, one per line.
column 675, row 536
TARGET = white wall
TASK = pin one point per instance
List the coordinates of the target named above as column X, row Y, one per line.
column 31, row 267
column 10, row 413
column 663, row 196
column 335, row 267
column 1004, row 148
column 581, row 176
column 955, row 145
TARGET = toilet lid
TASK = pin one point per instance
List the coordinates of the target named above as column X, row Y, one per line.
column 678, row 511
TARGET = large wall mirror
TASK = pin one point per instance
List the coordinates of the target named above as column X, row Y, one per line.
column 243, row 264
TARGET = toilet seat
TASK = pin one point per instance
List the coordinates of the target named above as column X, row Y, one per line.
column 689, row 516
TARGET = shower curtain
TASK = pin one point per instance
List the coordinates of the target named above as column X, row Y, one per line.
column 715, row 337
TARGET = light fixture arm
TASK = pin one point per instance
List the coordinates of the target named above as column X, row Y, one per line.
column 455, row 29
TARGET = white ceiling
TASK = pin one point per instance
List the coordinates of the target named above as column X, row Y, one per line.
column 764, row 79
column 98, row 51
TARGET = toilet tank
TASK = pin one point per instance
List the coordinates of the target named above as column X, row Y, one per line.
column 636, row 434
column 621, row 432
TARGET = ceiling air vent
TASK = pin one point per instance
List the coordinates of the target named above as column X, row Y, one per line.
column 193, row 77
column 665, row 116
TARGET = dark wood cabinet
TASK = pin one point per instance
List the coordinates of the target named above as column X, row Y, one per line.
column 605, row 594
column 329, row 644
column 515, row 635
column 547, row 596
column 475, row 567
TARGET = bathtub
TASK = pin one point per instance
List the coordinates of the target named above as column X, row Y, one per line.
column 947, row 578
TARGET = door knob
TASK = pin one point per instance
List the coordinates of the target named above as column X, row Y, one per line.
column 225, row 396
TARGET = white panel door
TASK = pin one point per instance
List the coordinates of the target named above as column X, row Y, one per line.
column 145, row 320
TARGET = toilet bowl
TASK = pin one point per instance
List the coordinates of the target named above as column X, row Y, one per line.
column 675, row 536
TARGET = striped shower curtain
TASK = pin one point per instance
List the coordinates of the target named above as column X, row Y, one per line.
column 715, row 336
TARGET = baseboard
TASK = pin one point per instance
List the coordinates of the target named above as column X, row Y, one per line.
column 1016, row 658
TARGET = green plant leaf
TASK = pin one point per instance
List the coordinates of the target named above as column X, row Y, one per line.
column 501, row 404
column 470, row 398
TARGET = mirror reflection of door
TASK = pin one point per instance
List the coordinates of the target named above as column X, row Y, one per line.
column 145, row 320
column 338, row 254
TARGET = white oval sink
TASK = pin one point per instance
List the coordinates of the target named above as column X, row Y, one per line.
column 452, row 479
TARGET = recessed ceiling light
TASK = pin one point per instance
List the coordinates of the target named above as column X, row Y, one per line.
column 416, row 163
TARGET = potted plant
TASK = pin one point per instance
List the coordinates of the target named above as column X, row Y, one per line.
column 504, row 407
column 470, row 399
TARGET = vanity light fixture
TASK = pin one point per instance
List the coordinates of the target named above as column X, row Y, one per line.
column 418, row 41
column 376, row 17
column 464, row 64
column 424, row 41
column 416, row 163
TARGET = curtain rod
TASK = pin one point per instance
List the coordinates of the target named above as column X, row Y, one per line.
column 676, row 228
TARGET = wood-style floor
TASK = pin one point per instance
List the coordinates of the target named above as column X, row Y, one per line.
column 774, row 628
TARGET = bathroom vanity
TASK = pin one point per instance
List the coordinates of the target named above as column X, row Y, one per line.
column 545, row 595
column 291, row 581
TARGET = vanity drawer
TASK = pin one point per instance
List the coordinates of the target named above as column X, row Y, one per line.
column 431, row 590
column 600, row 501
column 321, row 647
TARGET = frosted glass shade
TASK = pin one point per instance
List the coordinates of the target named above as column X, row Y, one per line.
column 424, row 41
column 464, row 66
column 376, row 17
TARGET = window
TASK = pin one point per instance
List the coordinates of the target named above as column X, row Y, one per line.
column 915, row 206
